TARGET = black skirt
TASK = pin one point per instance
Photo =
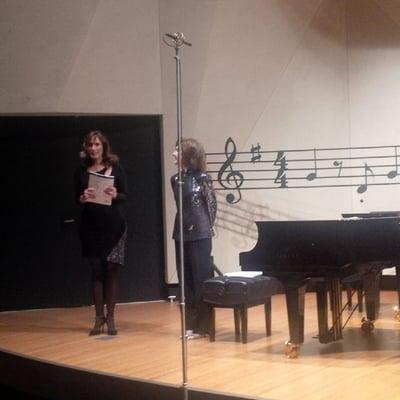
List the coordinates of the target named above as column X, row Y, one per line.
column 103, row 234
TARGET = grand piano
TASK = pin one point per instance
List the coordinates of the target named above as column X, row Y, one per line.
column 327, row 252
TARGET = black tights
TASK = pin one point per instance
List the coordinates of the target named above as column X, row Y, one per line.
column 105, row 286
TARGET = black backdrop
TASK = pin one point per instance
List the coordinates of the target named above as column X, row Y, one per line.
column 41, row 265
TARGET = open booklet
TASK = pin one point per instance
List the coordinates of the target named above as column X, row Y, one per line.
column 100, row 183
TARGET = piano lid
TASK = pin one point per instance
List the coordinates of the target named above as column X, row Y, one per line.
column 324, row 242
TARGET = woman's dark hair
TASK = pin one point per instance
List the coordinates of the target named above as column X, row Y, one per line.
column 193, row 155
column 109, row 159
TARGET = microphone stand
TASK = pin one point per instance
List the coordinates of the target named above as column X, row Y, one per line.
column 177, row 40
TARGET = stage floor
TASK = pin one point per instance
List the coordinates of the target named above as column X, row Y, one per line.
column 148, row 347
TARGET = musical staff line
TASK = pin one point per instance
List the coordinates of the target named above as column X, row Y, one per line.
column 301, row 159
column 311, row 169
column 236, row 171
column 315, row 186
column 312, row 149
column 325, row 177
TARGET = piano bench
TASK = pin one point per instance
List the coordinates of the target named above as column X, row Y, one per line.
column 239, row 293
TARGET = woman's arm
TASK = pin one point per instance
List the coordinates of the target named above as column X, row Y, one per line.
column 78, row 185
column 211, row 199
column 82, row 192
column 120, row 185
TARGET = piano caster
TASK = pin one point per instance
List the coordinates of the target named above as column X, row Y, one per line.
column 396, row 315
column 367, row 325
column 292, row 350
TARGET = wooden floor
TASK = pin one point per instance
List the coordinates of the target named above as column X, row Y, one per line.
column 148, row 346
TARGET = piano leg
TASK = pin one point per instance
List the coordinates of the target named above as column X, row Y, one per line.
column 335, row 290
column 326, row 335
column 398, row 284
column 371, row 285
column 295, row 296
column 397, row 308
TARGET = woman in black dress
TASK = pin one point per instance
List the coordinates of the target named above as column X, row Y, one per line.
column 199, row 209
column 103, row 227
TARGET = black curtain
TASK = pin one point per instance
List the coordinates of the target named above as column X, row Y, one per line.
column 41, row 264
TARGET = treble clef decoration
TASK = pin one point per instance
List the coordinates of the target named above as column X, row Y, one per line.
column 234, row 179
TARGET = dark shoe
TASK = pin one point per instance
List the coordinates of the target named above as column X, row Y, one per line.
column 111, row 326
column 98, row 326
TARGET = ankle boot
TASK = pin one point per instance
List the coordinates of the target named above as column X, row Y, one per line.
column 98, row 326
column 111, row 326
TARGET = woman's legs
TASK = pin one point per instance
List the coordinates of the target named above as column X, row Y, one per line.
column 98, row 297
column 111, row 293
column 97, row 286
column 200, row 261
column 105, row 291
column 190, row 310
column 197, row 268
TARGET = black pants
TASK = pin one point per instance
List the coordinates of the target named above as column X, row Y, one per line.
column 197, row 268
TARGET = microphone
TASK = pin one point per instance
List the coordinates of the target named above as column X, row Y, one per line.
column 178, row 38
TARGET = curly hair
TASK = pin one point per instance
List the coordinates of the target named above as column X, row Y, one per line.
column 193, row 155
column 108, row 157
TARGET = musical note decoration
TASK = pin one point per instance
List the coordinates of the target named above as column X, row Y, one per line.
column 229, row 178
column 313, row 175
column 281, row 174
column 363, row 188
column 338, row 164
column 394, row 172
column 255, row 151
column 360, row 167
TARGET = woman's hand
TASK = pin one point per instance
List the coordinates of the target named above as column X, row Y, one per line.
column 89, row 193
column 111, row 191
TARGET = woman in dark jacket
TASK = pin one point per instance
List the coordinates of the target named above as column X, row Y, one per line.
column 103, row 227
column 199, row 208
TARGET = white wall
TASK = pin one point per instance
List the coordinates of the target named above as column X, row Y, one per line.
column 288, row 74
column 301, row 103
column 374, row 82
column 92, row 56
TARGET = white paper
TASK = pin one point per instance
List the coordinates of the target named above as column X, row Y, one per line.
column 100, row 183
column 244, row 274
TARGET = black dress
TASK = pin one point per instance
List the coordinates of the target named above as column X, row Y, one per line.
column 103, row 228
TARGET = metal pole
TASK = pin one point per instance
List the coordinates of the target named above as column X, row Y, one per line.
column 177, row 40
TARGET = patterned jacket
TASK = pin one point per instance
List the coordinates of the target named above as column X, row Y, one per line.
column 199, row 205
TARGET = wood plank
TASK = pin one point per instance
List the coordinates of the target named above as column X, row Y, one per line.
column 148, row 346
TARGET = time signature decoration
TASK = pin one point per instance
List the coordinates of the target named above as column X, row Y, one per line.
column 258, row 169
